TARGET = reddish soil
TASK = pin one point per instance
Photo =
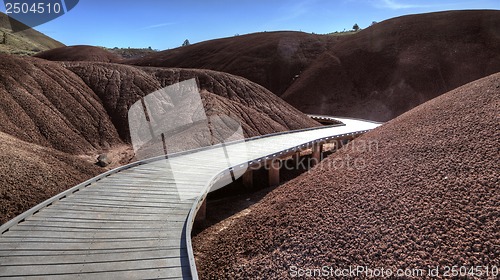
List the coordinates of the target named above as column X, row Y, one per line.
column 62, row 115
column 427, row 196
column 46, row 104
column 271, row 59
column 80, row 53
column 393, row 66
column 377, row 73
column 258, row 110
column 30, row 174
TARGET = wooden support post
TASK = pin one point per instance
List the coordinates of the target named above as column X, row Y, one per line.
column 274, row 173
column 339, row 144
column 202, row 212
column 296, row 157
column 316, row 154
column 248, row 179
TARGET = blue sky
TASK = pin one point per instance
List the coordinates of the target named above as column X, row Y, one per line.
column 164, row 24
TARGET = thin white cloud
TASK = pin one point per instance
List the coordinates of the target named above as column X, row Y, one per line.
column 394, row 5
column 409, row 4
column 291, row 12
column 158, row 25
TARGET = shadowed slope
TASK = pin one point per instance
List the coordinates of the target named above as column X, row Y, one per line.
column 271, row 59
column 395, row 65
column 117, row 86
column 425, row 195
column 79, row 53
column 377, row 73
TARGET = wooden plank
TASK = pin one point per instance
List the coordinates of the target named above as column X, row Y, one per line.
column 151, row 183
column 107, row 230
column 161, row 189
column 100, row 225
column 83, row 216
column 124, row 207
column 89, row 252
column 127, row 270
column 127, row 193
column 167, row 235
column 108, row 196
column 82, row 236
column 195, row 189
column 82, row 246
column 137, row 192
column 169, row 203
column 166, row 219
column 95, row 258
column 96, row 209
column 165, row 174
column 107, row 213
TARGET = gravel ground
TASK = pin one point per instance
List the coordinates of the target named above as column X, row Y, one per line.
column 30, row 174
column 426, row 195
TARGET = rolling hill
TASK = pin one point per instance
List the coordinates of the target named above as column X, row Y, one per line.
column 79, row 53
column 57, row 117
column 271, row 59
column 377, row 73
column 425, row 195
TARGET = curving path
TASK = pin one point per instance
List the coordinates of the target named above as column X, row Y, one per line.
column 135, row 221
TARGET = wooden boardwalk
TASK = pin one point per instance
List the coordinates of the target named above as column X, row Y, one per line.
column 135, row 222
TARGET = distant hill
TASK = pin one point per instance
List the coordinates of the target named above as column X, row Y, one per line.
column 377, row 73
column 79, row 53
column 271, row 59
column 26, row 42
column 131, row 52
column 91, row 53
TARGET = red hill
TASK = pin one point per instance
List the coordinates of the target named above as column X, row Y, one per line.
column 271, row 59
column 46, row 104
column 56, row 117
column 79, row 53
column 393, row 66
column 258, row 110
column 377, row 73
column 427, row 196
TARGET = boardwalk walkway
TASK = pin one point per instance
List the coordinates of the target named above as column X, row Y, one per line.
column 134, row 222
